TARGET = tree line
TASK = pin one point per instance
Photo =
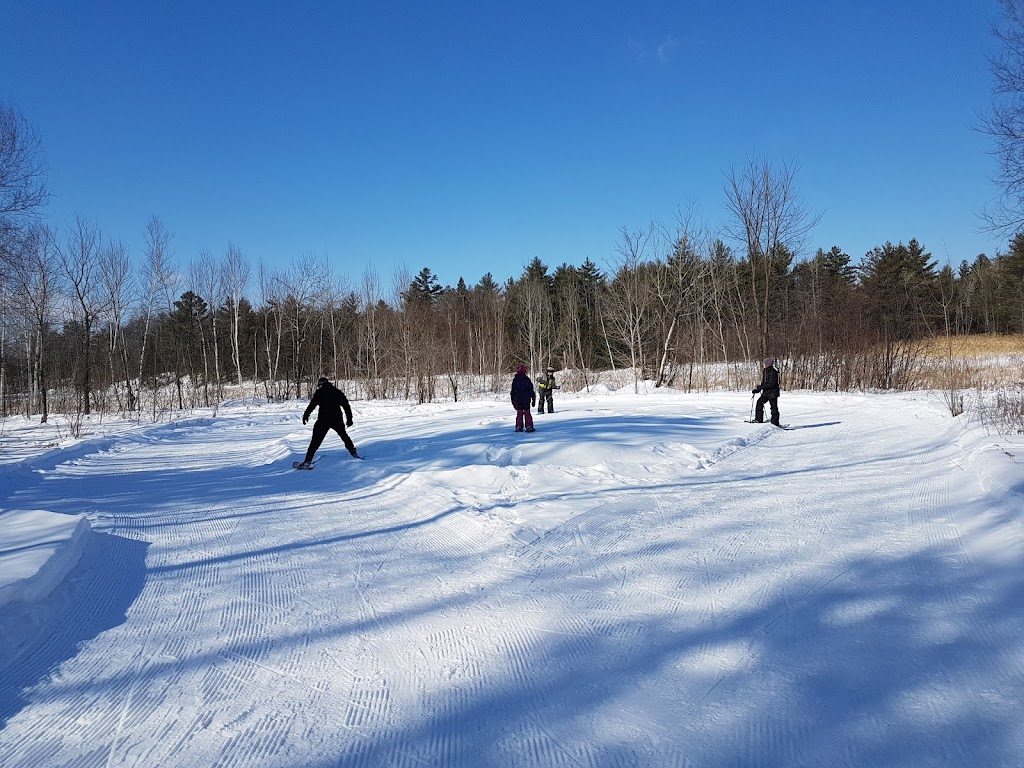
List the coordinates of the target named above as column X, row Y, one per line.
column 82, row 322
column 86, row 326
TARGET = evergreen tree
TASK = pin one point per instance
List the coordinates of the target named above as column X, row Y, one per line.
column 835, row 265
column 536, row 270
column 424, row 290
column 1010, row 277
column 901, row 289
column 189, row 312
column 487, row 284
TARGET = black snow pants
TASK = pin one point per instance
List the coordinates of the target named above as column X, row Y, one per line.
column 546, row 396
column 320, row 429
column 772, row 401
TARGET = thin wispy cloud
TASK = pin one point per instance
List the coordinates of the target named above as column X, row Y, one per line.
column 664, row 50
column 661, row 53
column 636, row 49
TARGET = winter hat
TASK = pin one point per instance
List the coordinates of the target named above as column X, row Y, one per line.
column 550, row 369
column 520, row 369
column 321, row 381
column 769, row 362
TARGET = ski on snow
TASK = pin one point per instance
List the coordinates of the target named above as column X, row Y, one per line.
column 300, row 465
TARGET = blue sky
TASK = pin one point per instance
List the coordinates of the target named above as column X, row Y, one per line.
column 470, row 137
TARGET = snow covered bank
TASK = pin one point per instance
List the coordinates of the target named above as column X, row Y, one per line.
column 37, row 550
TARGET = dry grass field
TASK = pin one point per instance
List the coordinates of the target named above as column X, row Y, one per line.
column 983, row 373
column 971, row 362
column 980, row 346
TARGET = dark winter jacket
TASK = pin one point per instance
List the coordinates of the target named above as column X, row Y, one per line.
column 331, row 401
column 523, row 394
column 769, row 387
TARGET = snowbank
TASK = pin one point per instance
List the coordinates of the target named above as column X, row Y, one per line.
column 38, row 550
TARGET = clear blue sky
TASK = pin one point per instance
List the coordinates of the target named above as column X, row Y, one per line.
column 472, row 136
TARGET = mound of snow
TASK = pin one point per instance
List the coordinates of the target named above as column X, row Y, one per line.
column 40, row 547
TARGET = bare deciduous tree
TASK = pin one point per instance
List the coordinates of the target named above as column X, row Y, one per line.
column 453, row 307
column 271, row 286
column 533, row 300
column 405, row 336
column 5, row 319
column 1005, row 121
column 371, row 335
column 630, row 295
column 80, row 262
column 488, row 329
column 235, row 279
column 158, row 241
column 116, row 269
column 771, row 220
column 338, row 308
column 208, row 281
column 34, row 278
column 22, row 173
column 304, row 287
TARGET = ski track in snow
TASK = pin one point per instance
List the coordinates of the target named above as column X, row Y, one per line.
column 606, row 594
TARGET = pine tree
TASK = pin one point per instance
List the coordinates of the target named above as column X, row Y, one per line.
column 901, row 289
column 424, row 289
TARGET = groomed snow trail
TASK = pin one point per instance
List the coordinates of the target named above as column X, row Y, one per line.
column 610, row 591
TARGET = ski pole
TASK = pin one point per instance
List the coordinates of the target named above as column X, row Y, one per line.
column 752, row 406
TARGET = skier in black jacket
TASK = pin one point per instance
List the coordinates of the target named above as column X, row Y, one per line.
column 769, row 389
column 331, row 401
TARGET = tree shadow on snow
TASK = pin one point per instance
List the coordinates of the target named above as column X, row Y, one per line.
column 858, row 670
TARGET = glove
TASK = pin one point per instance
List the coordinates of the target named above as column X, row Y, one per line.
column 348, row 423
column 305, row 419
column 755, row 390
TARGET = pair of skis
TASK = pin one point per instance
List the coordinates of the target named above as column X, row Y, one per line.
column 780, row 426
column 304, row 465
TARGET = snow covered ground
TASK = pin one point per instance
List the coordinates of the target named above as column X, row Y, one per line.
column 645, row 581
